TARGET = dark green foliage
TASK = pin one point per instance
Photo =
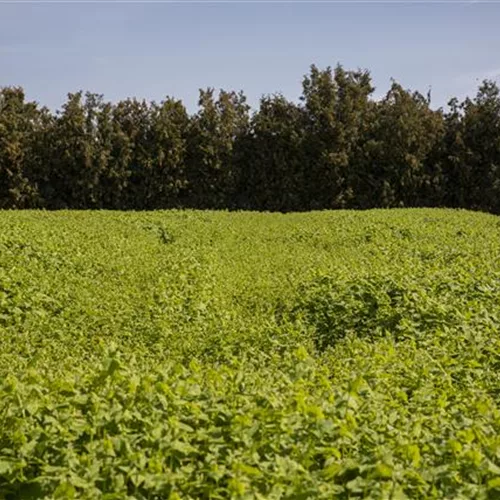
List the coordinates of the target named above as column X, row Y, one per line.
column 336, row 148
column 273, row 172
column 162, row 176
column 134, row 162
column 472, row 151
column 212, row 167
column 336, row 112
column 401, row 136
column 22, row 141
column 75, row 160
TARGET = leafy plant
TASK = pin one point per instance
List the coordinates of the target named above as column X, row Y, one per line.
column 321, row 355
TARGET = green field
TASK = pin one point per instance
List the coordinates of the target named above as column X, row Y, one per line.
column 185, row 354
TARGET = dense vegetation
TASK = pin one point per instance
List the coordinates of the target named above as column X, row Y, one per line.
column 336, row 148
column 190, row 354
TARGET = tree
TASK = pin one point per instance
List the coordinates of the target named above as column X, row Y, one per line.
column 132, row 152
column 336, row 148
column 336, row 104
column 211, row 164
column 272, row 175
column 402, row 134
column 74, row 179
column 472, row 150
column 21, row 125
column 167, row 178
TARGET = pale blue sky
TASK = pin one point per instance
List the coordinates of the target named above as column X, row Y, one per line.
column 150, row 50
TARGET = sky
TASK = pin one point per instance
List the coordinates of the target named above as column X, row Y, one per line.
column 152, row 50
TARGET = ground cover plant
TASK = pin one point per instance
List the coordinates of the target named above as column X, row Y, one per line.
column 190, row 354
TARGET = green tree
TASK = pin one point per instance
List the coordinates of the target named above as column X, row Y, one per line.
column 272, row 173
column 472, row 150
column 403, row 133
column 336, row 104
column 167, row 179
column 22, row 126
column 212, row 169
column 132, row 151
column 75, row 173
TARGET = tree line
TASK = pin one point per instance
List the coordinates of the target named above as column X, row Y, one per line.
column 337, row 147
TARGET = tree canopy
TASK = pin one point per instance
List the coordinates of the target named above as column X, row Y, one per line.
column 337, row 147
